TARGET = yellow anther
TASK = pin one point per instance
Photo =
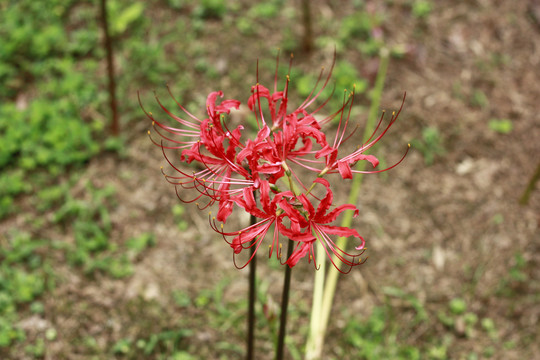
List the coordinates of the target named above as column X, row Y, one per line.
column 393, row 113
column 354, row 86
column 153, row 123
column 161, row 167
column 409, row 145
column 221, row 225
column 288, row 77
column 210, row 213
column 148, row 132
column 214, row 218
column 150, row 113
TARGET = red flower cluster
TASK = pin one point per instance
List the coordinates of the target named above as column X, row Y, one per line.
column 258, row 174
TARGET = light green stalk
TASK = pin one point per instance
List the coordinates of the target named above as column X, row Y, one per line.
column 313, row 347
column 318, row 328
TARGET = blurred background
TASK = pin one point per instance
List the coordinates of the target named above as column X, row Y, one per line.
column 99, row 259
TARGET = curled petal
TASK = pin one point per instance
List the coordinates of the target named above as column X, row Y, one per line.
column 332, row 215
column 298, row 253
column 345, row 170
column 372, row 159
column 294, row 233
column 325, row 203
column 226, row 106
column 250, row 205
column 211, row 101
column 248, row 236
column 225, row 209
column 258, row 92
column 340, row 231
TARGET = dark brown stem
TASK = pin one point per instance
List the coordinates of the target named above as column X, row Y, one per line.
column 524, row 200
column 284, row 305
column 307, row 42
column 115, row 128
column 251, row 305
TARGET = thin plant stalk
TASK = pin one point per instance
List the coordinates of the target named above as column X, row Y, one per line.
column 284, row 305
column 318, row 289
column 318, row 330
column 524, row 200
column 307, row 41
column 115, row 127
column 251, row 300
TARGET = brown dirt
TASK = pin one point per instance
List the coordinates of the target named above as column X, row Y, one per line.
column 439, row 232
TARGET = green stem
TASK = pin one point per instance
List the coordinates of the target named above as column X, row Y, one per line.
column 314, row 347
column 331, row 280
column 284, row 305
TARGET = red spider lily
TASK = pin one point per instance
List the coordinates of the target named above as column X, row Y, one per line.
column 278, row 112
column 234, row 169
column 309, row 225
column 211, row 145
column 254, row 234
column 343, row 164
column 306, row 225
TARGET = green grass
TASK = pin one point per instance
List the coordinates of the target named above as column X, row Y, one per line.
column 431, row 144
column 53, row 112
column 53, row 120
column 53, row 117
column 51, row 128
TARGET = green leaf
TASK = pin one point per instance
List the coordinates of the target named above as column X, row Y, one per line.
column 120, row 23
column 458, row 306
column 502, row 126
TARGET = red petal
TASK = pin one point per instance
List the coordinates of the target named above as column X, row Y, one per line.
column 248, row 236
column 299, row 252
column 344, row 170
column 372, row 159
column 325, row 203
column 251, row 204
column 227, row 105
column 332, row 215
column 307, row 205
column 211, row 102
column 225, row 209
column 258, row 92
column 339, row 230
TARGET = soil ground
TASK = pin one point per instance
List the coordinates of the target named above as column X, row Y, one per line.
column 441, row 231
